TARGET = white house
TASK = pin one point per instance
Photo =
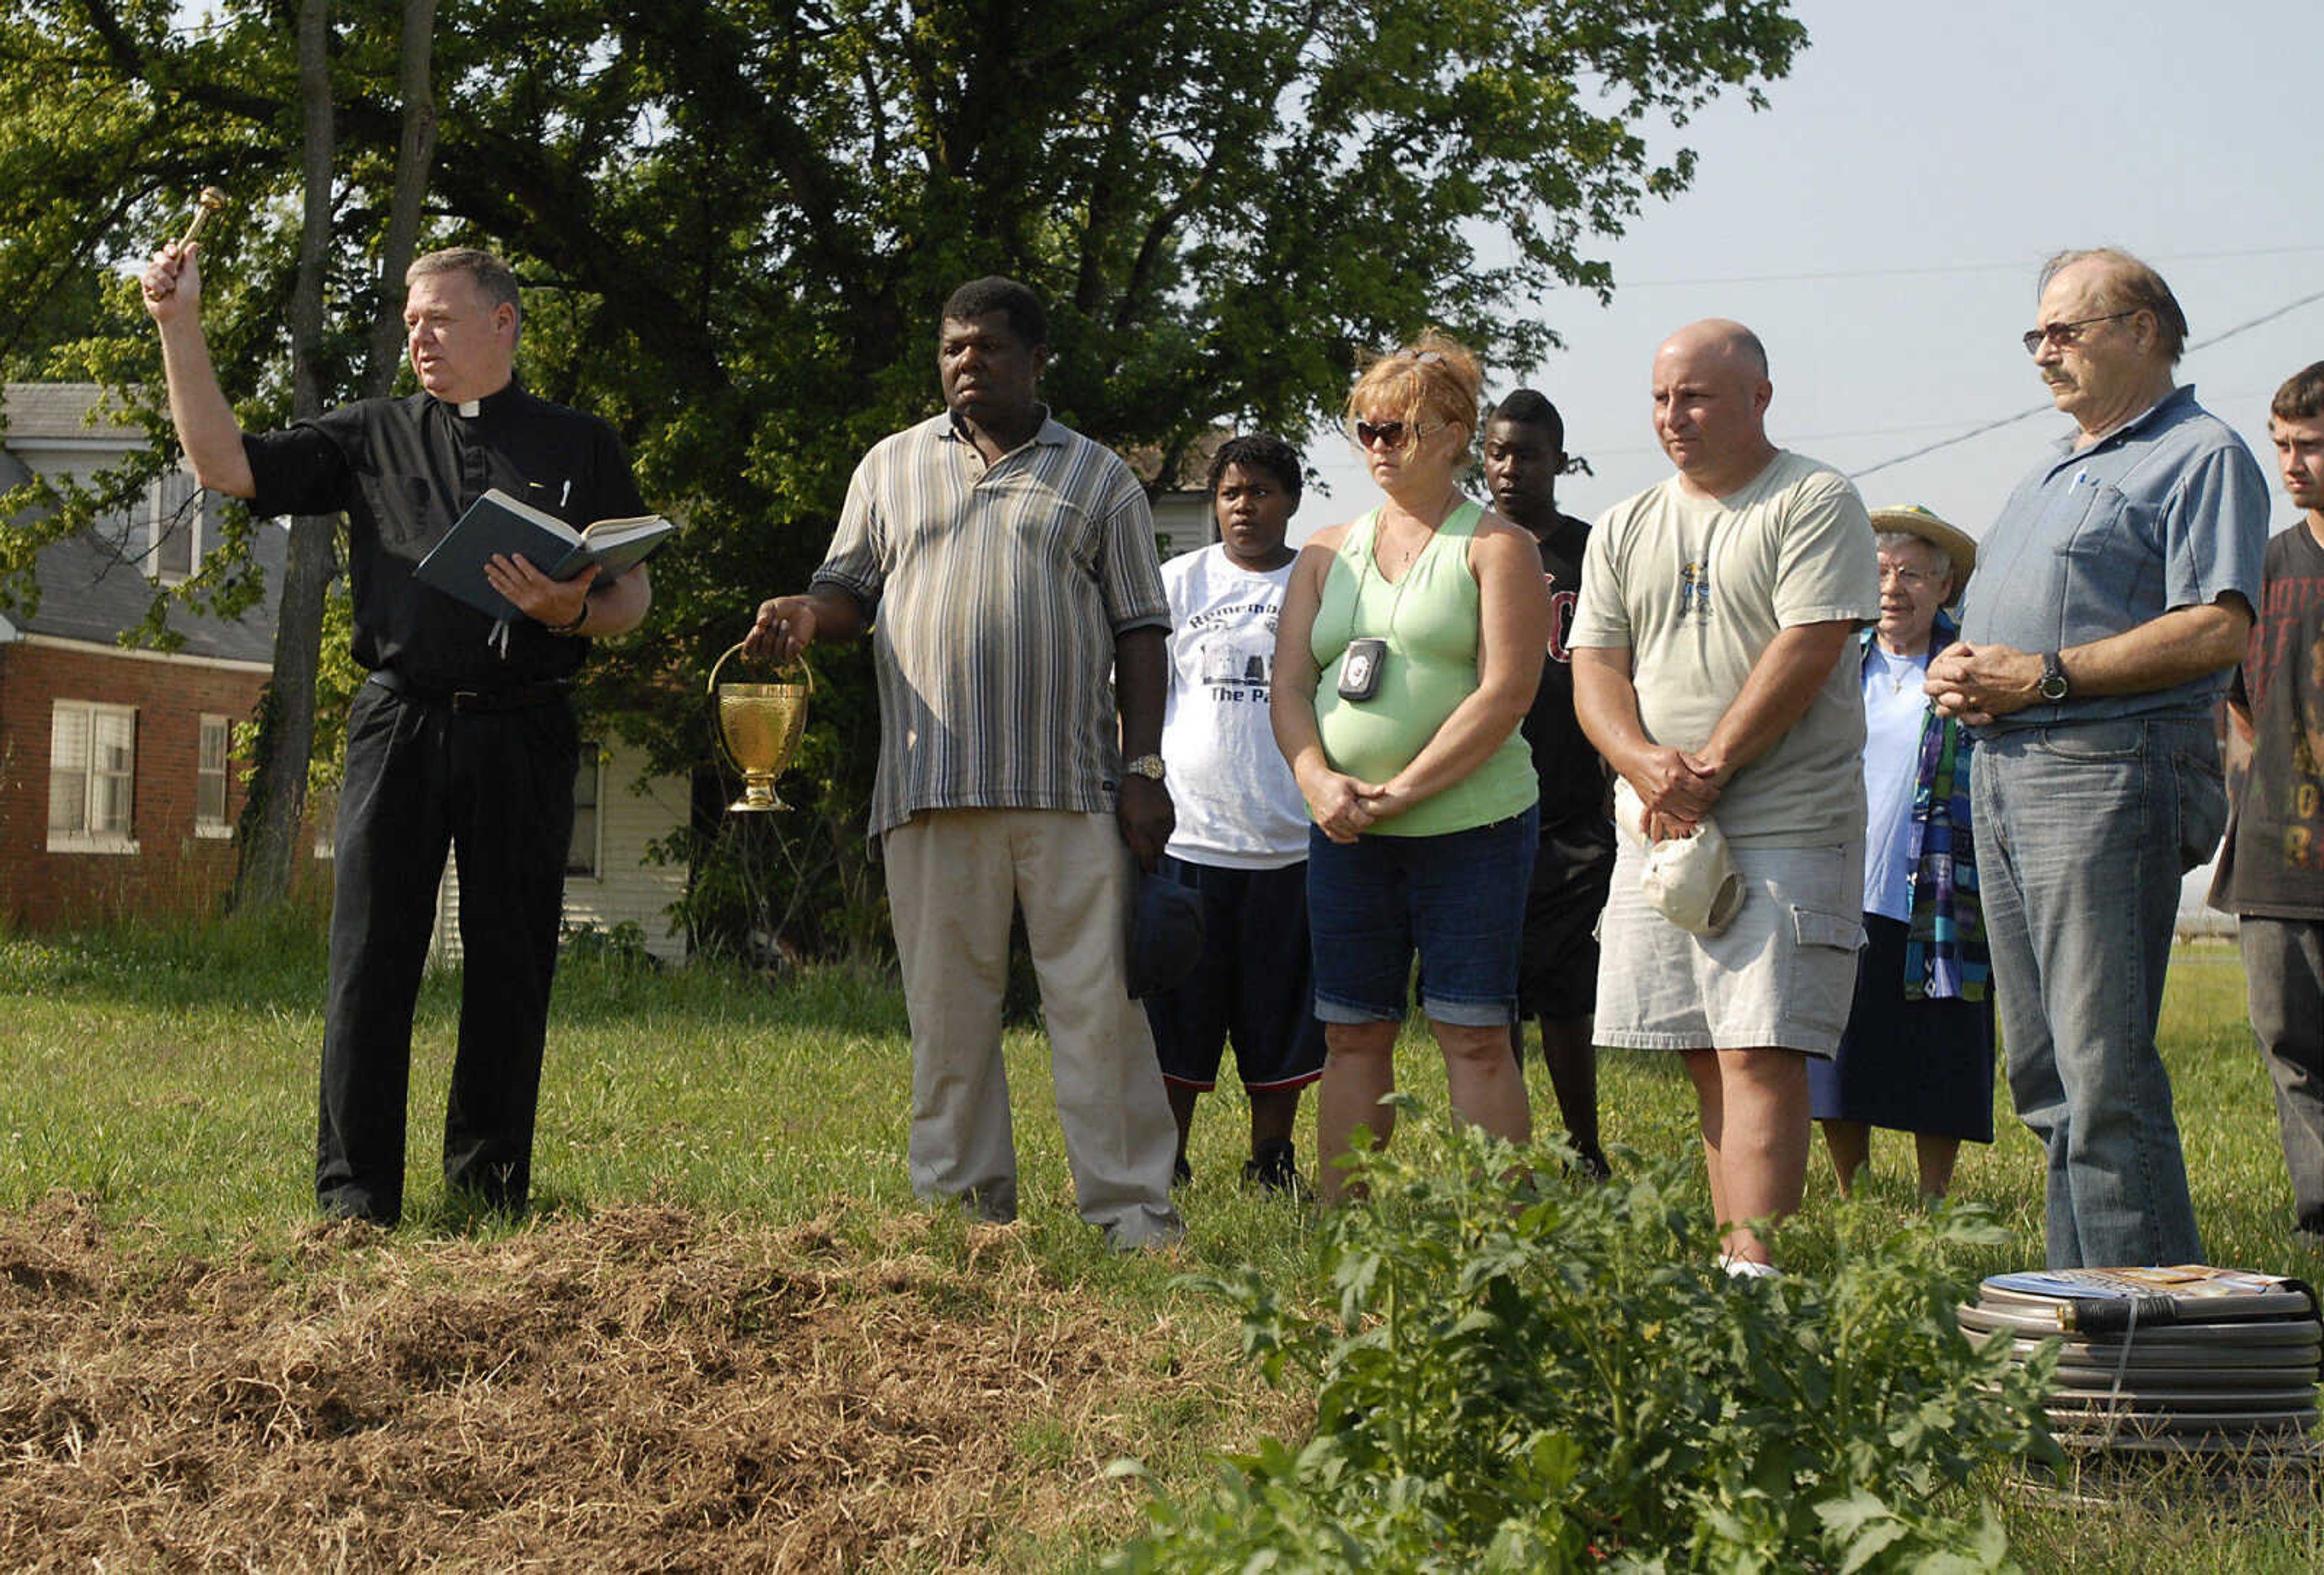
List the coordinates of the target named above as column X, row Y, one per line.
column 608, row 880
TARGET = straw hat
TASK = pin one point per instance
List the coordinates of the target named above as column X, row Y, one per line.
column 1955, row 543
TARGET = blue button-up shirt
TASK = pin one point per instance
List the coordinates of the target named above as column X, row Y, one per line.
column 2169, row 512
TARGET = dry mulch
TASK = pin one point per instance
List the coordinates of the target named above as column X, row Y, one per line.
column 642, row 1389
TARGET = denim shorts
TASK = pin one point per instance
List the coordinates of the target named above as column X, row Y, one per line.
column 1458, row 898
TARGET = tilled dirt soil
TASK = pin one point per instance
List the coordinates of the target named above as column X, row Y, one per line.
column 642, row 1389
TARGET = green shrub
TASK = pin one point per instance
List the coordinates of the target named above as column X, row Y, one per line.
column 261, row 954
column 1525, row 1372
column 617, row 946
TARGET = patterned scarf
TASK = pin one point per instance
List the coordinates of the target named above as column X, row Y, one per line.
column 1945, row 955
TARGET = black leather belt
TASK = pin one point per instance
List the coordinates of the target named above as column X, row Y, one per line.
column 515, row 698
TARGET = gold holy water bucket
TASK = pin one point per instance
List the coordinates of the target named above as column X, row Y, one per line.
column 758, row 727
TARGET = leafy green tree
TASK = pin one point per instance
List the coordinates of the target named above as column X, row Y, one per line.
column 739, row 218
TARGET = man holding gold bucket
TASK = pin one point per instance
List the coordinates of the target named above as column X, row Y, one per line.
column 463, row 738
column 1001, row 566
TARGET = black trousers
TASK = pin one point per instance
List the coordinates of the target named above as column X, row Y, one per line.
column 496, row 788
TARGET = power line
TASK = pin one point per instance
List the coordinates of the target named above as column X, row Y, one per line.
column 2018, row 265
column 2288, row 307
column 1979, row 432
column 1957, row 438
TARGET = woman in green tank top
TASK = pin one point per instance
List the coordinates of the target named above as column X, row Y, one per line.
column 1410, row 645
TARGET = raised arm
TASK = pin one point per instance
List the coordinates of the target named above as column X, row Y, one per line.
column 206, row 429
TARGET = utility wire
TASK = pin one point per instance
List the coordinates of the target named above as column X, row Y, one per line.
column 1959, row 438
column 1979, row 432
column 1941, row 267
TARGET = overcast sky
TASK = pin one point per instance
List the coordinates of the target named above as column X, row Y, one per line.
column 1881, row 224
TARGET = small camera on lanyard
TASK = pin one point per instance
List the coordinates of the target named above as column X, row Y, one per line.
column 1359, row 669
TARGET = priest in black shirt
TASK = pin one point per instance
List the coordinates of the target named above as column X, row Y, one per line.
column 1557, row 982
column 464, row 737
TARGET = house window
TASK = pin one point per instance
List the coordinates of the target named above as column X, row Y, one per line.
column 92, row 766
column 210, row 779
column 175, row 528
column 588, row 786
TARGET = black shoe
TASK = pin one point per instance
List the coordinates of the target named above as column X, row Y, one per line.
column 1273, row 1168
column 349, row 1204
column 1182, row 1174
column 1592, row 1164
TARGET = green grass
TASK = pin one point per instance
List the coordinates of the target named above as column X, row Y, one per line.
column 170, row 1074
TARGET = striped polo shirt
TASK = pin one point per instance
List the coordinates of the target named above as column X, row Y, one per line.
column 995, row 594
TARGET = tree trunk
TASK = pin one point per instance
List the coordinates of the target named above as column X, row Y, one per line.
column 286, row 738
column 414, row 159
column 269, row 832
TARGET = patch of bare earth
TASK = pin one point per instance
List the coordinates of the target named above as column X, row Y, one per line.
column 640, row 1390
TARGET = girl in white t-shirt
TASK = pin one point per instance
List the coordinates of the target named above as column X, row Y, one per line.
column 1241, row 836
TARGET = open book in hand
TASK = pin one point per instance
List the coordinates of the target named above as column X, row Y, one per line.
column 499, row 523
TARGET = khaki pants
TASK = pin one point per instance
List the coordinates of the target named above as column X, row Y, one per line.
column 952, row 877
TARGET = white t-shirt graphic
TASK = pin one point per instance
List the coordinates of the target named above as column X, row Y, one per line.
column 1695, row 588
column 1237, row 804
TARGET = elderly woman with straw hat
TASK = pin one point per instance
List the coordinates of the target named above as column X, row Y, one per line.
column 1917, row 1055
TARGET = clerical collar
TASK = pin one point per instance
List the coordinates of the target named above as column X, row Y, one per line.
column 469, row 410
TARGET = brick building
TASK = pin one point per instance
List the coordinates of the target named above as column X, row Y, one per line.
column 118, row 786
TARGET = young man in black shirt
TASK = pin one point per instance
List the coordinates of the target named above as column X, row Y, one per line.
column 463, row 738
column 1525, row 453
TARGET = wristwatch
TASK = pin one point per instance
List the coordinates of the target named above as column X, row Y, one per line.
column 1147, row 766
column 2053, row 687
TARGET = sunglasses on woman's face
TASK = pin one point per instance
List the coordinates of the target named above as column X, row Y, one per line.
column 1392, row 433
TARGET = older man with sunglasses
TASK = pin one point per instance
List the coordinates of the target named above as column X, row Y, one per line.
column 2114, row 594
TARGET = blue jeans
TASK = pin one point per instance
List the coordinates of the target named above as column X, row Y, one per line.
column 2083, row 833
column 1457, row 899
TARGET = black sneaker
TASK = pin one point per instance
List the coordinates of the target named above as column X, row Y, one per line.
column 1181, row 1173
column 1592, row 1164
column 1274, row 1169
